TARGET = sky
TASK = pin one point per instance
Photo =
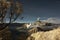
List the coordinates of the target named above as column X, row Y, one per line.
column 45, row 9
column 32, row 9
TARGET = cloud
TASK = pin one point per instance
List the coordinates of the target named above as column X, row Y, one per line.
column 52, row 20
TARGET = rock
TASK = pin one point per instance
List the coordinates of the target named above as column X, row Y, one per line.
column 48, row 35
column 33, row 30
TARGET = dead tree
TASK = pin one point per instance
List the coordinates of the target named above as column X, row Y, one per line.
column 15, row 10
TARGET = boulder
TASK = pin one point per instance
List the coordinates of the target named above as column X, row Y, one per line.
column 48, row 35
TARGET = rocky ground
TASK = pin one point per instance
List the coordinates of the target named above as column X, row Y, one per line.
column 48, row 35
column 34, row 33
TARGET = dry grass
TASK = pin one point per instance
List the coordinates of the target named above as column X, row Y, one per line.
column 48, row 35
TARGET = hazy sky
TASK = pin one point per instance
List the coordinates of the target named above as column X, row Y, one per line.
column 40, row 8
